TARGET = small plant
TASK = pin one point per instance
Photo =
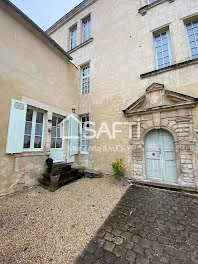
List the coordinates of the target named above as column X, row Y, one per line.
column 81, row 167
column 118, row 168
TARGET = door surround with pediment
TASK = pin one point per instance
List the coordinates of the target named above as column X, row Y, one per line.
column 158, row 109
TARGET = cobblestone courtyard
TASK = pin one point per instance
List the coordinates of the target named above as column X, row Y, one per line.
column 148, row 226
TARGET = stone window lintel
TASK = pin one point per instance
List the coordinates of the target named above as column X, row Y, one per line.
column 145, row 8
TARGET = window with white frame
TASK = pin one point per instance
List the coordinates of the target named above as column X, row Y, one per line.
column 57, row 132
column 86, row 29
column 192, row 34
column 163, row 53
column 85, row 79
column 84, row 142
column 34, row 130
column 72, row 37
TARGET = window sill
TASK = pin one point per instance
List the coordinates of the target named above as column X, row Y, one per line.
column 84, row 153
column 80, row 45
column 169, row 68
column 145, row 8
column 30, row 153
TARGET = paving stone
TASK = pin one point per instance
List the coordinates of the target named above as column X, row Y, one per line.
column 91, row 247
column 99, row 252
column 139, row 249
column 148, row 226
column 120, row 251
column 131, row 255
column 109, row 246
column 121, row 261
column 109, row 257
column 118, row 240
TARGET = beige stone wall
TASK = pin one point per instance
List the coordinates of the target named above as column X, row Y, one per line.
column 38, row 74
column 121, row 50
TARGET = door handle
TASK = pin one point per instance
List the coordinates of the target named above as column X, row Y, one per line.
column 160, row 152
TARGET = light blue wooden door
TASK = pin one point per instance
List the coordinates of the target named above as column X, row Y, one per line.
column 72, row 146
column 56, row 150
column 160, row 156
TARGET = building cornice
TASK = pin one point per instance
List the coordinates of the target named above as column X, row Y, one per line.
column 145, row 8
column 169, row 68
column 69, row 15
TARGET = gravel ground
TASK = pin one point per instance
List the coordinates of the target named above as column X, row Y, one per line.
column 38, row 226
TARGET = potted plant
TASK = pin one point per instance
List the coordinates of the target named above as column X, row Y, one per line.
column 81, row 169
column 55, row 176
column 118, row 168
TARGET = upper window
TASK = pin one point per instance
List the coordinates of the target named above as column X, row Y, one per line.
column 151, row 1
column 84, row 146
column 86, row 30
column 163, row 53
column 192, row 34
column 34, row 126
column 72, row 37
column 85, row 79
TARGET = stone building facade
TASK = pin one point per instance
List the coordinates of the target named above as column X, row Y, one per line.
column 117, row 76
column 34, row 73
column 122, row 60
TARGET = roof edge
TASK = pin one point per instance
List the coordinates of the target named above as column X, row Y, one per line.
column 36, row 27
column 72, row 12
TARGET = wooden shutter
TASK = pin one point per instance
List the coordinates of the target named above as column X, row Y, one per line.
column 74, row 134
column 16, row 127
column 72, row 147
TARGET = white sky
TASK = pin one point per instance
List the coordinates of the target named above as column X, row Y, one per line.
column 45, row 12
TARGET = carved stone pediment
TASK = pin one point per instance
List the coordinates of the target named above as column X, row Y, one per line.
column 157, row 98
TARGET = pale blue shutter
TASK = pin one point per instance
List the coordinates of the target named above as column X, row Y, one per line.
column 69, row 157
column 72, row 147
column 16, row 127
column 74, row 133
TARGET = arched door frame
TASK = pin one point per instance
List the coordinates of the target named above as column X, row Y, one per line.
column 175, row 141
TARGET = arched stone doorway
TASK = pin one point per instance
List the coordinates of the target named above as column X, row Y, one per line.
column 172, row 112
column 160, row 156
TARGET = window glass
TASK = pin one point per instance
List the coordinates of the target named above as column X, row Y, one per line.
column 162, row 50
column 86, row 29
column 38, row 130
column 73, row 34
column 28, row 129
column 33, row 135
column 192, row 34
column 84, row 134
column 85, row 80
column 57, row 130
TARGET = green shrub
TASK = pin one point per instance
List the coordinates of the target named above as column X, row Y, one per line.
column 118, row 168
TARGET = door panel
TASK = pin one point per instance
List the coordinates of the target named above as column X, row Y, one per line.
column 160, row 156
column 56, row 150
column 169, row 170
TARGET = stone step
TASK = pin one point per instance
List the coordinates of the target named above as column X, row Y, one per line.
column 93, row 175
column 66, row 174
column 47, row 184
